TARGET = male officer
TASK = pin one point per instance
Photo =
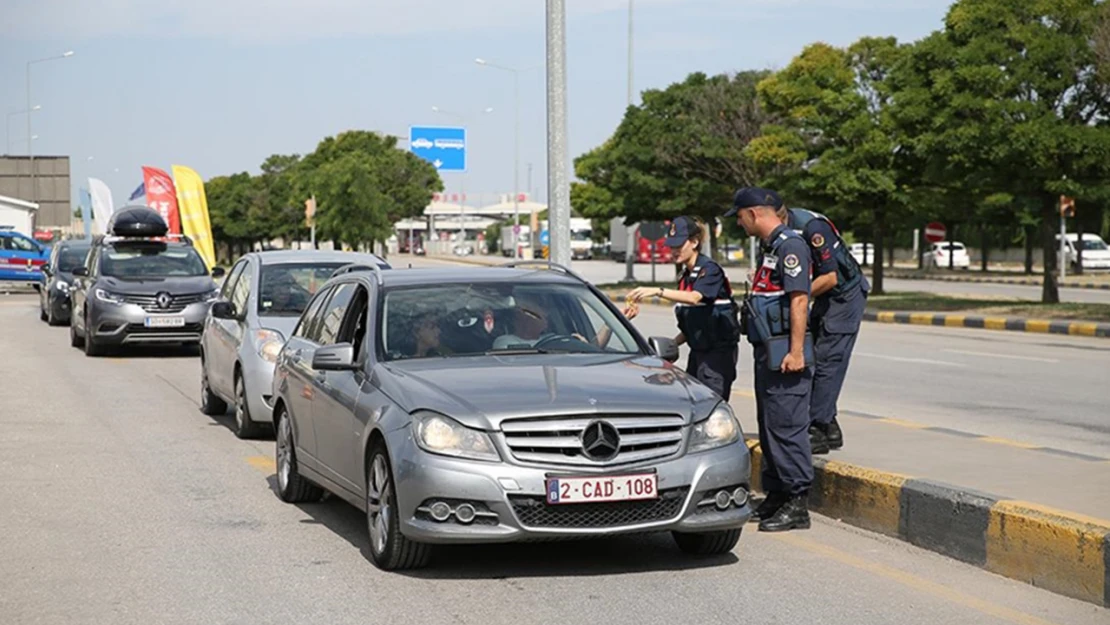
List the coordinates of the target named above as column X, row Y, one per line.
column 778, row 308
column 840, row 295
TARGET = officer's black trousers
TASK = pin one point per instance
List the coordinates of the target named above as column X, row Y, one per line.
column 832, row 352
column 782, row 412
column 716, row 369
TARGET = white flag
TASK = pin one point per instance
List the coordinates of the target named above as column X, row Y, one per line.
column 101, row 205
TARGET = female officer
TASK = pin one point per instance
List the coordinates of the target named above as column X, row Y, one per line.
column 707, row 319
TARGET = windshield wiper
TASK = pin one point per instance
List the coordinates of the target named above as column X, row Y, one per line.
column 517, row 351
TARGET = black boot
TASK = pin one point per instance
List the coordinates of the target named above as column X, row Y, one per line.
column 771, row 504
column 833, row 435
column 793, row 515
column 818, row 442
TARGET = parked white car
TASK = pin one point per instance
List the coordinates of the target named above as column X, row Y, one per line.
column 938, row 253
column 858, row 250
column 1096, row 254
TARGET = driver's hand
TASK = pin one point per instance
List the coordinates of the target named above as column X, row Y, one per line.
column 580, row 337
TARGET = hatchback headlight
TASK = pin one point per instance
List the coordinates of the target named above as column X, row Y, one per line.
column 268, row 343
column 211, row 296
column 109, row 297
column 720, row 429
column 62, row 286
column 438, row 434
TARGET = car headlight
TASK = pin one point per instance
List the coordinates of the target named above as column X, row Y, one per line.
column 268, row 344
column 720, row 429
column 62, row 286
column 438, row 434
column 211, row 296
column 105, row 296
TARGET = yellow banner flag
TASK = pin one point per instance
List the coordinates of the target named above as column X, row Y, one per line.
column 193, row 208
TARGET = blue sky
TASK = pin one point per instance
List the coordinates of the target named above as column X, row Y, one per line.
column 219, row 85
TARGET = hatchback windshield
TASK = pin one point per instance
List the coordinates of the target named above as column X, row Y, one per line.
column 70, row 258
column 151, row 259
column 1093, row 244
column 466, row 319
column 287, row 289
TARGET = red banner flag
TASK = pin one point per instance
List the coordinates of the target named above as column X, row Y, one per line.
column 162, row 196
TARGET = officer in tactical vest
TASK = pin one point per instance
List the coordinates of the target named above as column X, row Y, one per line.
column 776, row 312
column 706, row 313
column 839, row 297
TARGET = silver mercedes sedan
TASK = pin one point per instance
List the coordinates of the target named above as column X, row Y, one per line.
column 483, row 405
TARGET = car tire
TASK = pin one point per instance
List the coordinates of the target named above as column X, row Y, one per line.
column 389, row 549
column 245, row 428
column 291, row 486
column 707, row 543
column 74, row 339
column 210, row 403
column 43, row 316
column 92, row 349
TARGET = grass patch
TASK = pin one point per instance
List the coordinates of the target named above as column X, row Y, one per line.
column 932, row 302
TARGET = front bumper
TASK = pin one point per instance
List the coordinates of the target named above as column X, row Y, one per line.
column 125, row 324
column 258, row 381
column 507, row 514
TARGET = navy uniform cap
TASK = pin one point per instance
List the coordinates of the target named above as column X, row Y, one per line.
column 753, row 196
column 682, row 228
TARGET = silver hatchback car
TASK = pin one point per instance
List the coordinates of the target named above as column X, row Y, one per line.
column 258, row 305
column 481, row 405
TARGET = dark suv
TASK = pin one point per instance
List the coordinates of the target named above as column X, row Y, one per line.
column 140, row 286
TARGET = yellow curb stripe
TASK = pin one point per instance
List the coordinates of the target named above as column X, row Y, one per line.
column 922, row 319
column 886, row 317
column 1083, row 329
column 262, row 463
column 1052, row 549
column 954, row 321
column 864, row 497
column 1037, row 325
column 994, row 323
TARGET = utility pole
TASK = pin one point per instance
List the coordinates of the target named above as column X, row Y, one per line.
column 630, row 231
column 557, row 181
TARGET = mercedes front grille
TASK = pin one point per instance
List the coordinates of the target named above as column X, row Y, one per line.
column 558, row 440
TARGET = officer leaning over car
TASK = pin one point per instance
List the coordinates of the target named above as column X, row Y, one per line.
column 707, row 315
column 839, row 296
column 776, row 313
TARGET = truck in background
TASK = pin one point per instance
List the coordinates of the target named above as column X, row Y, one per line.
column 507, row 244
column 645, row 248
column 581, row 237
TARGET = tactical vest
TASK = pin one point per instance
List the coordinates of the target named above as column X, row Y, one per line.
column 768, row 305
column 848, row 272
column 710, row 325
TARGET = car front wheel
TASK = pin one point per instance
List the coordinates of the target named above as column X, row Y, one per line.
column 245, row 427
column 708, row 543
column 389, row 549
column 210, row 403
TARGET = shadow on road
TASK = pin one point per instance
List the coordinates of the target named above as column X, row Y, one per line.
column 578, row 558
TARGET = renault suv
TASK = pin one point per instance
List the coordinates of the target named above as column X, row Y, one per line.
column 140, row 287
column 485, row 405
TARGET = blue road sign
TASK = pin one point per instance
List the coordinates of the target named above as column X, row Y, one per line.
column 443, row 147
column 545, row 238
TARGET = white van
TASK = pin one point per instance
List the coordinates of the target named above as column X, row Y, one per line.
column 1096, row 254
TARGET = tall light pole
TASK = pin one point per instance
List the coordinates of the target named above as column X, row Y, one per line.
column 8, row 126
column 30, row 148
column 558, row 184
column 516, row 144
column 630, row 233
column 462, row 176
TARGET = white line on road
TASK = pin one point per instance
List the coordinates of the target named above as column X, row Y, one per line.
column 924, row 361
column 990, row 355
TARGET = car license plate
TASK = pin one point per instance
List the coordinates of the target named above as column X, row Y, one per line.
column 562, row 490
column 165, row 322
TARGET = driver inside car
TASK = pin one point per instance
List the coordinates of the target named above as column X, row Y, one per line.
column 529, row 325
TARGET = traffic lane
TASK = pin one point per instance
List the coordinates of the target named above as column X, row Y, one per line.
column 1040, row 389
column 127, row 505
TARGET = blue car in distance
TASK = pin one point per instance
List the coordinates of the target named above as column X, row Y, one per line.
column 21, row 257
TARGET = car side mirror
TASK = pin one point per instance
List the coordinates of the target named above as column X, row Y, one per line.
column 338, row 357
column 46, row 268
column 218, row 272
column 665, row 348
column 81, row 272
column 222, row 309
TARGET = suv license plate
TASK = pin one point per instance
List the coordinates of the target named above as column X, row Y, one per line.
column 563, row 490
column 165, row 322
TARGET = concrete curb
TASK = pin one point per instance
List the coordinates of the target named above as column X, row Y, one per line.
column 1052, row 549
column 1013, row 324
column 1018, row 282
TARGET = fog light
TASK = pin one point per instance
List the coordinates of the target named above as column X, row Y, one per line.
column 465, row 513
column 723, row 499
column 440, row 511
column 740, row 496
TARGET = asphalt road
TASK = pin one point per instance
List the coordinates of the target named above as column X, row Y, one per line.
column 124, row 504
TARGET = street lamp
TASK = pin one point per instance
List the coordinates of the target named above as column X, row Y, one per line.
column 516, row 139
column 8, row 125
column 462, row 118
column 30, row 149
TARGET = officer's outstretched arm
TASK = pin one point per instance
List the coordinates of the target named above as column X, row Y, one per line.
column 824, row 283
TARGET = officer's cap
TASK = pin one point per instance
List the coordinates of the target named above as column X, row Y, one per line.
column 749, row 197
column 682, row 229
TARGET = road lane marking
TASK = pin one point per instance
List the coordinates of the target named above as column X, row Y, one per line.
column 990, row 355
column 265, row 464
column 924, row 361
column 914, row 582
column 1007, row 442
column 902, row 423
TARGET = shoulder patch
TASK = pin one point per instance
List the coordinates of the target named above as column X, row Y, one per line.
column 817, row 240
column 791, row 261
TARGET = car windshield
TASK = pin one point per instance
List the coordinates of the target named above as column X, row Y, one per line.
column 580, row 235
column 287, row 288
column 70, row 258
column 468, row 319
column 1097, row 245
column 952, row 246
column 151, row 259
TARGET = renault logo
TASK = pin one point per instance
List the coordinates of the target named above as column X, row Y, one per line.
column 601, row 441
column 163, row 300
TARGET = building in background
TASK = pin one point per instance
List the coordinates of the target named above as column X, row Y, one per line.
column 17, row 214
column 52, row 188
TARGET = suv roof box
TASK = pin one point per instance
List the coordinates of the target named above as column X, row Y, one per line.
column 137, row 221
